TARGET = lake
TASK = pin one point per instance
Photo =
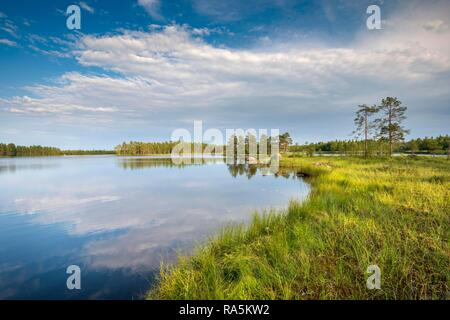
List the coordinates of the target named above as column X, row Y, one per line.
column 117, row 217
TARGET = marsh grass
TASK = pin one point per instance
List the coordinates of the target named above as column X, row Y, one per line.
column 390, row 212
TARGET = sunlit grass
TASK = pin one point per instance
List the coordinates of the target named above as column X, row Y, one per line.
column 390, row 212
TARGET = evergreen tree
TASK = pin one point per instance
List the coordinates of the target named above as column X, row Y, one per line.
column 363, row 124
column 389, row 125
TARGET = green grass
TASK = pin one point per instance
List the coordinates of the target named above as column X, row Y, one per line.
column 390, row 212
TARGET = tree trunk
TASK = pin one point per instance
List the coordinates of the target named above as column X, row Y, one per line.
column 390, row 131
column 366, row 133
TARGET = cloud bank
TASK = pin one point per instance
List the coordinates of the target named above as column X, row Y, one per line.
column 173, row 74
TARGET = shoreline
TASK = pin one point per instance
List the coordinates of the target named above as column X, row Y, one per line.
column 289, row 154
column 389, row 212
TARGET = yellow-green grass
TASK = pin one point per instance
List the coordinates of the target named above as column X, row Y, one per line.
column 390, row 212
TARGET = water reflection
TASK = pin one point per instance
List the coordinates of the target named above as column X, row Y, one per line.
column 249, row 171
column 235, row 170
column 117, row 218
column 13, row 167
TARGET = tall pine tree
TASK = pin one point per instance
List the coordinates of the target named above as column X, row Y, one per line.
column 363, row 124
column 390, row 124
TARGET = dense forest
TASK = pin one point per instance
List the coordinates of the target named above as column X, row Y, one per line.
column 427, row 145
column 11, row 150
column 432, row 145
column 134, row 148
column 86, row 152
column 160, row 148
column 144, row 148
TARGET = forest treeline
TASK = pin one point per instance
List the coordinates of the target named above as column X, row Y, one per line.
column 11, row 150
column 86, row 152
column 427, row 145
column 135, row 148
column 431, row 145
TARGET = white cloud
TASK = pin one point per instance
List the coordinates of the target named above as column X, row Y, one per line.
column 52, row 46
column 86, row 7
column 171, row 70
column 152, row 7
column 8, row 42
column 64, row 103
column 10, row 27
column 172, row 67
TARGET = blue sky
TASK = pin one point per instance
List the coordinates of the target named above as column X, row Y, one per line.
column 139, row 69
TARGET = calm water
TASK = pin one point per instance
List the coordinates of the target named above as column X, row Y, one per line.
column 117, row 218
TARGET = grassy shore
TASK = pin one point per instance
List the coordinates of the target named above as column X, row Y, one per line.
column 390, row 212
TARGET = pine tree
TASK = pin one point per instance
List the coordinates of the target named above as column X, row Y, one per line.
column 364, row 125
column 390, row 124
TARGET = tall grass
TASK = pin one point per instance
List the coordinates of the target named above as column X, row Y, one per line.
column 390, row 212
